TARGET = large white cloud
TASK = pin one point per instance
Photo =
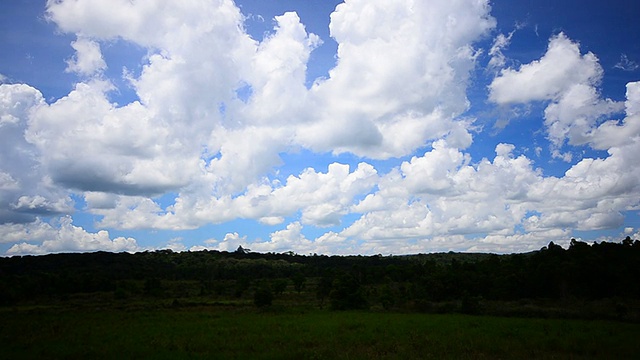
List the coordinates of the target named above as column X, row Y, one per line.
column 190, row 127
column 557, row 71
column 401, row 75
column 198, row 52
column 321, row 198
column 569, row 81
column 189, row 114
column 89, row 144
column 443, row 193
column 26, row 189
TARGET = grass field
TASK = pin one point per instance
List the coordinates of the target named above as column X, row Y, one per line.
column 241, row 333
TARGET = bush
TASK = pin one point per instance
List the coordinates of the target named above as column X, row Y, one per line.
column 347, row 294
column 263, row 297
column 279, row 286
column 470, row 305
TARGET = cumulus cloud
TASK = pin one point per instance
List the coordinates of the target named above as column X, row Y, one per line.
column 198, row 54
column 41, row 238
column 278, row 73
column 557, row 71
column 230, row 242
column 289, row 239
column 401, row 75
column 615, row 133
column 26, row 190
column 522, row 242
column 441, row 193
column 568, row 80
column 88, row 144
column 190, row 129
column 88, row 58
column 189, row 125
column 321, row 198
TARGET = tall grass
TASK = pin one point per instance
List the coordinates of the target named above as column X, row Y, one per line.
column 211, row 333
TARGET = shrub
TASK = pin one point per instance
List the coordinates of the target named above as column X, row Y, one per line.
column 263, row 297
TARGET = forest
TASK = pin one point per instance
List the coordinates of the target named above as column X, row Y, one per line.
column 599, row 280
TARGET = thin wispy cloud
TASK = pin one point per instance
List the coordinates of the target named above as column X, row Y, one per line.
column 626, row 65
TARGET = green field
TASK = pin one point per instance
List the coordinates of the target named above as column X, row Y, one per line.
column 242, row 333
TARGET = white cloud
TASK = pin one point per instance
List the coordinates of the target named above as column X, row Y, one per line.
column 147, row 22
column 40, row 205
column 433, row 172
column 41, row 238
column 576, row 113
column 177, row 138
column 615, row 133
column 278, row 73
column 230, row 242
column 557, row 71
column 198, row 55
column 401, row 75
column 564, row 156
column 289, row 239
column 324, row 198
column 26, row 189
column 88, row 58
column 131, row 212
column 498, row 60
column 189, row 126
column 176, row 244
column 7, row 182
column 321, row 198
column 530, row 241
column 36, row 231
column 87, row 143
column 569, row 81
column 626, row 64
column 441, row 194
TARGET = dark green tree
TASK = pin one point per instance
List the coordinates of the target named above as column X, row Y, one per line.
column 347, row 294
column 324, row 288
column 242, row 284
column 242, row 251
column 153, row 287
column 279, row 286
column 262, row 297
column 298, row 280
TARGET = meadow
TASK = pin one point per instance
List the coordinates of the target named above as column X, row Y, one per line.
column 237, row 332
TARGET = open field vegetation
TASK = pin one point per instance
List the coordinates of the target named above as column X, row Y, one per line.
column 582, row 302
column 214, row 332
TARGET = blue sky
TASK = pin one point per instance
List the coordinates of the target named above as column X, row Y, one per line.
column 361, row 127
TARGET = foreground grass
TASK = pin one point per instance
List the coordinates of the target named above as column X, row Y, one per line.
column 208, row 332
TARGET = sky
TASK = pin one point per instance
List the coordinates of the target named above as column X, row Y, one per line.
column 327, row 127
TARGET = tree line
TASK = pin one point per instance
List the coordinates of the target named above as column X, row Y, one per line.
column 582, row 271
